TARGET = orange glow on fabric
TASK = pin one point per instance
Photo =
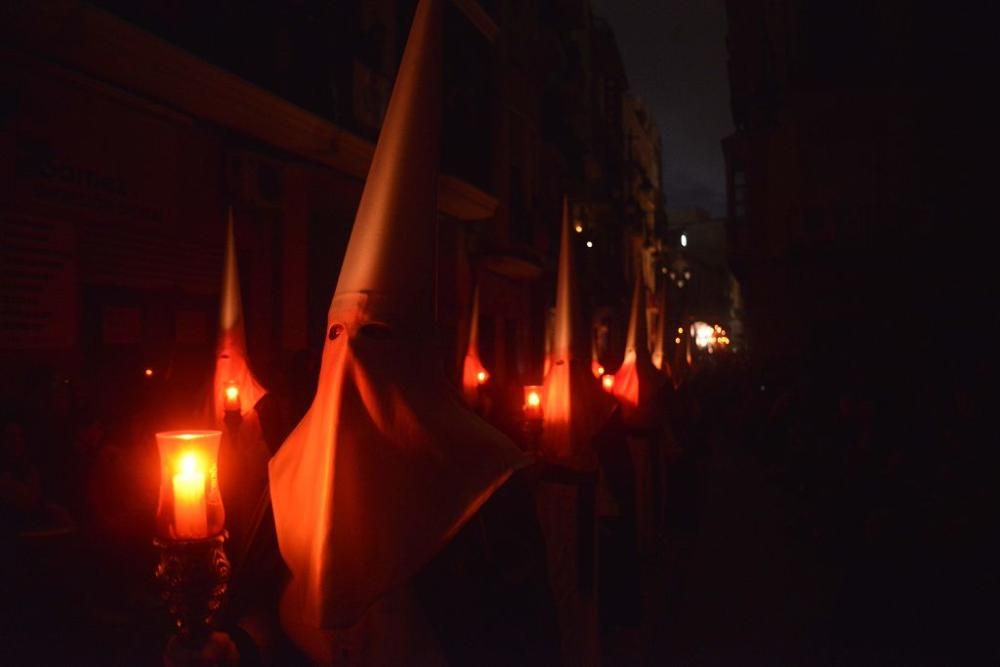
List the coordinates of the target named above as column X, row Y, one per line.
column 573, row 407
column 231, row 365
column 190, row 505
column 637, row 380
column 659, row 357
column 387, row 464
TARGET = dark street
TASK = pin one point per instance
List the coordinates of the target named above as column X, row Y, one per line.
column 548, row 333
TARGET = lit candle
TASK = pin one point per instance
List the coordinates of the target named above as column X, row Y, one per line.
column 607, row 382
column 232, row 400
column 533, row 402
column 190, row 511
column 482, row 377
column 190, row 506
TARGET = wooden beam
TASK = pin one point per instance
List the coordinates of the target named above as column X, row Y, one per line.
column 100, row 45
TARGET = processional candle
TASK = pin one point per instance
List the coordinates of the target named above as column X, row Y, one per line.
column 532, row 402
column 607, row 382
column 232, row 399
column 190, row 506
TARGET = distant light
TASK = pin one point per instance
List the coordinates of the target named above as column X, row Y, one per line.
column 663, row 269
column 680, row 283
column 703, row 334
column 763, row 388
column 673, row 275
column 684, row 240
column 590, row 244
column 680, row 330
column 578, row 228
column 148, row 372
column 687, row 275
column 678, row 340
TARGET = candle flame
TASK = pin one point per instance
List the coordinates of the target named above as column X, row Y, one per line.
column 189, row 464
column 608, row 381
column 482, row 376
column 149, row 372
column 232, row 392
column 534, row 400
column 600, row 370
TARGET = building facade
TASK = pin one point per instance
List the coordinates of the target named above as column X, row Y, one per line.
column 853, row 154
column 132, row 127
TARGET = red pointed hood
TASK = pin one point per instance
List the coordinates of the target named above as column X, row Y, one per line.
column 637, row 380
column 474, row 374
column 659, row 357
column 387, row 464
column 231, row 365
column 573, row 406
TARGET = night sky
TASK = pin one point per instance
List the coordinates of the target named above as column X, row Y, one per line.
column 675, row 57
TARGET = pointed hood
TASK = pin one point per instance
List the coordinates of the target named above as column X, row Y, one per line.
column 231, row 365
column 387, row 464
column 596, row 367
column 637, row 381
column 391, row 249
column 659, row 356
column 474, row 374
column 573, row 406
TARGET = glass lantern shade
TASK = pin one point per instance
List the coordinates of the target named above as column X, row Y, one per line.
column 190, row 505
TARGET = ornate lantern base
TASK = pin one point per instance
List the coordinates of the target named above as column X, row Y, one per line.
column 193, row 575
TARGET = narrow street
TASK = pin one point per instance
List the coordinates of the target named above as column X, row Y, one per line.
column 733, row 586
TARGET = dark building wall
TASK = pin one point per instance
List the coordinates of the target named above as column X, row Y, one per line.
column 158, row 144
column 853, row 160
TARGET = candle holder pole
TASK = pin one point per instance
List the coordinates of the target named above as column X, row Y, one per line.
column 193, row 576
column 532, row 429
column 233, row 420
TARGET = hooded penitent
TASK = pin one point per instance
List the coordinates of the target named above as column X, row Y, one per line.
column 573, row 406
column 474, row 374
column 387, row 464
column 595, row 362
column 231, row 368
column 637, row 380
column 659, row 357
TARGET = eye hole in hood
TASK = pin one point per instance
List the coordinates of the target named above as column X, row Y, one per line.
column 335, row 331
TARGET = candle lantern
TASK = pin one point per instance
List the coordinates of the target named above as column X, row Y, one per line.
column 533, row 402
column 193, row 569
column 231, row 401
